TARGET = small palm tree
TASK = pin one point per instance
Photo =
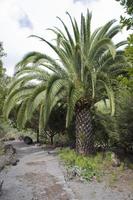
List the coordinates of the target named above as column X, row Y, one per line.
column 83, row 74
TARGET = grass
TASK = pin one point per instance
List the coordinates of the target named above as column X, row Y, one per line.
column 98, row 167
column 87, row 167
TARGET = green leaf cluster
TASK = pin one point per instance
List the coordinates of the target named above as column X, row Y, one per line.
column 127, row 21
column 86, row 67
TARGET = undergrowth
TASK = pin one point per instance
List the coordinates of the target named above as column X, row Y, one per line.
column 1, row 149
column 86, row 167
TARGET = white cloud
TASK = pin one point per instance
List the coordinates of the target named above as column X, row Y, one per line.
column 19, row 19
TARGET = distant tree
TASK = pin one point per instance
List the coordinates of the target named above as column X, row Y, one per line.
column 127, row 21
column 126, row 78
column 129, row 49
column 3, row 79
column 2, row 70
column 56, row 122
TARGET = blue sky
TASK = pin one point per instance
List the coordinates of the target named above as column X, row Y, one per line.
column 21, row 18
column 24, row 22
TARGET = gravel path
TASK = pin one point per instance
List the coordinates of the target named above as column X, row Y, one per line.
column 99, row 191
column 39, row 176
column 36, row 177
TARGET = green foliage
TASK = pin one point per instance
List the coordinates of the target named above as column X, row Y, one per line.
column 8, row 130
column 126, row 79
column 128, row 6
column 56, row 121
column 106, row 131
column 103, row 106
column 88, row 167
column 3, row 79
column 86, row 68
column 62, row 139
column 117, row 130
column 129, row 49
column 1, row 56
column 124, row 117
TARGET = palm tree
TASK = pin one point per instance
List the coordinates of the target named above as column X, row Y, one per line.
column 26, row 95
column 83, row 73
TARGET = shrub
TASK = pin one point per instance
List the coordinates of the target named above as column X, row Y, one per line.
column 124, row 117
column 106, row 132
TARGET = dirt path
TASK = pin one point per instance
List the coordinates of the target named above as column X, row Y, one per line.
column 36, row 177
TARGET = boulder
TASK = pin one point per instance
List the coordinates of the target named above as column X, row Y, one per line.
column 9, row 157
column 28, row 140
column 8, row 148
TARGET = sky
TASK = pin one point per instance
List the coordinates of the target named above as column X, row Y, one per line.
column 21, row 18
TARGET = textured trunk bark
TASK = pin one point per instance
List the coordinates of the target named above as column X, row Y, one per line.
column 84, row 131
column 37, row 137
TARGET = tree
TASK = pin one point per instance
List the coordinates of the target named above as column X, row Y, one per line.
column 129, row 50
column 127, row 21
column 127, row 78
column 83, row 74
column 56, row 122
column 1, row 55
column 3, row 79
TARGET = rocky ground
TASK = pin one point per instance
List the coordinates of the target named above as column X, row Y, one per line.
column 39, row 176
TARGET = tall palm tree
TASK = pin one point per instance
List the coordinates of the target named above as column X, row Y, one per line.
column 86, row 66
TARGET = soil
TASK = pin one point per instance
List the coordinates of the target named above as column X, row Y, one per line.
column 40, row 176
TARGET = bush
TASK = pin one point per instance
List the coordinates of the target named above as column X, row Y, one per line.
column 124, row 117
column 116, row 131
column 106, row 132
column 8, row 132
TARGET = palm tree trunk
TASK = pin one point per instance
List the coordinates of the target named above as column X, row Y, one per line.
column 84, row 131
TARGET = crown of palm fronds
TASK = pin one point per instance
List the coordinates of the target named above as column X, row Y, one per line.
column 87, row 63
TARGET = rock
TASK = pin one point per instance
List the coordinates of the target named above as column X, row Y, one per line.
column 53, row 153
column 21, row 137
column 28, row 140
column 9, row 158
column 14, row 162
column 8, row 148
column 72, row 145
column 115, row 161
column 11, row 139
column 1, row 183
